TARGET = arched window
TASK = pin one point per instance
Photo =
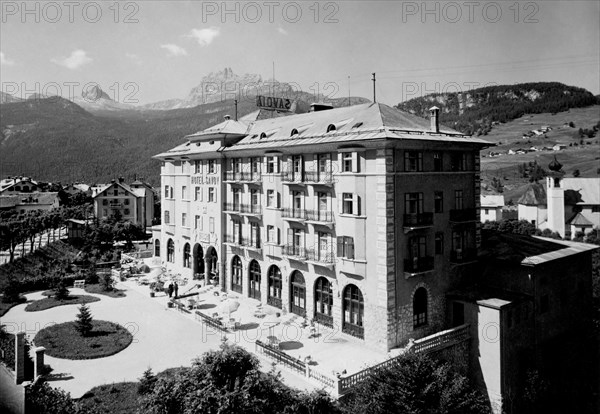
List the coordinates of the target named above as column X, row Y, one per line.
column 157, row 248
column 170, row 251
column 254, row 277
column 353, row 312
column 298, row 294
column 186, row 255
column 274, row 292
column 323, row 302
column 331, row 127
column 420, row 307
column 236, row 274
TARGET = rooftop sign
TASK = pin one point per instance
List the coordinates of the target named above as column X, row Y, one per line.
column 274, row 104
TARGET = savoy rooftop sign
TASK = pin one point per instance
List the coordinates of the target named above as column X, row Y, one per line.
column 274, row 104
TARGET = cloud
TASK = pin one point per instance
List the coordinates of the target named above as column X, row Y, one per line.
column 133, row 57
column 282, row 31
column 174, row 50
column 4, row 61
column 77, row 59
column 204, row 37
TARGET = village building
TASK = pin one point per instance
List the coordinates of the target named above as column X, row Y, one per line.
column 133, row 203
column 491, row 206
column 22, row 194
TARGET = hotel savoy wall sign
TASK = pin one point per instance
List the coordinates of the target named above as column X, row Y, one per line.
column 201, row 179
column 274, row 104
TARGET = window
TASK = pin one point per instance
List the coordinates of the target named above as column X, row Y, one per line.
column 198, row 194
column 325, row 247
column 237, row 165
column 298, row 294
column 116, row 192
column 345, row 247
column 197, row 167
column 417, row 246
column 459, row 162
column 255, row 235
column 170, row 192
column 237, row 198
column 420, row 308
column 439, row 243
column 236, row 274
column 413, row 161
column 157, row 248
column 236, row 231
column 458, row 199
column 323, row 301
column 211, row 224
column 297, row 165
column 437, row 161
column 353, row 311
column 212, row 166
column 126, row 212
column 349, row 162
column 324, row 165
column 322, row 203
column 254, row 279
column 350, row 204
column 273, row 234
column 186, row 255
column 126, row 201
column 166, row 191
column 275, row 285
column 167, row 217
column 595, row 209
column 297, row 200
column 105, row 202
column 272, row 199
column 254, row 197
column 184, row 219
column 198, row 223
column 486, row 211
column 413, row 203
column 170, row 251
column 272, row 165
column 438, row 198
column 184, row 192
column 255, row 165
column 211, row 195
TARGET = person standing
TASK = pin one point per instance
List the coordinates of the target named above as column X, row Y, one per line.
column 176, row 287
column 170, row 289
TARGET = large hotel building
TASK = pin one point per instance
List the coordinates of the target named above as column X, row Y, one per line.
column 362, row 218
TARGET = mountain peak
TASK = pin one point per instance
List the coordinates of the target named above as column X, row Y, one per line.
column 94, row 93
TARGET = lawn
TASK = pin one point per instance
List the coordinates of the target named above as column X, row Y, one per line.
column 50, row 302
column 118, row 398
column 63, row 341
column 97, row 289
column 5, row 307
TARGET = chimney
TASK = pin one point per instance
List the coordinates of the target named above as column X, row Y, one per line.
column 121, row 180
column 227, row 117
column 434, row 113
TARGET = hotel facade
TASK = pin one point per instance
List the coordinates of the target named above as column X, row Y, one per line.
column 362, row 218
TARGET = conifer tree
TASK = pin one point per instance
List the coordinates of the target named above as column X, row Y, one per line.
column 83, row 324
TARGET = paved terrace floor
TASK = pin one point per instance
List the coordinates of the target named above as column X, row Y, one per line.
column 166, row 338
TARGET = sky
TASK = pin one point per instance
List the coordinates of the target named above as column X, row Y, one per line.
column 146, row 51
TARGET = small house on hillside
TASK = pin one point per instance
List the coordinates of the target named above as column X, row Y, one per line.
column 491, row 207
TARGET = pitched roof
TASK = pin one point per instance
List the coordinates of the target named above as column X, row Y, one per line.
column 579, row 220
column 137, row 192
column 36, row 198
column 535, row 195
column 492, row 200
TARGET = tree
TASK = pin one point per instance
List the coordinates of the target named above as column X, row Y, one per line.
column 147, row 382
column 107, row 282
column 84, row 324
column 43, row 399
column 60, row 290
column 415, row 383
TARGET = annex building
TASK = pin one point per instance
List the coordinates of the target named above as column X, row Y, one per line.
column 360, row 217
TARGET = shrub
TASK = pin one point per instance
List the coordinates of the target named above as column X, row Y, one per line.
column 107, row 282
column 83, row 324
column 12, row 290
column 60, row 290
column 147, row 382
column 91, row 277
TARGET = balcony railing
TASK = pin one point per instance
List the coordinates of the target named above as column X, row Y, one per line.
column 231, row 239
column 233, row 207
column 251, row 209
column 293, row 177
column 294, row 251
column 418, row 220
column 324, row 319
column 298, row 310
column 296, row 213
column 320, row 256
column 273, row 301
column 253, row 244
column 318, row 177
column 243, row 176
column 418, row 264
column 319, row 215
column 464, row 215
column 463, row 255
column 354, row 330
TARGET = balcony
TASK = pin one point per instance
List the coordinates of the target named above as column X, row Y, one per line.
column 240, row 177
column 294, row 252
column 290, row 177
column 233, row 208
column 253, row 245
column 294, row 214
column 465, row 215
column 317, row 177
column 320, row 217
column 324, row 319
column 251, row 209
column 461, row 256
column 418, row 265
column 273, row 301
column 417, row 220
column 321, row 258
column 232, row 240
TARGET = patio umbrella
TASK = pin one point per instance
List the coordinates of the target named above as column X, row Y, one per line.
column 229, row 306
